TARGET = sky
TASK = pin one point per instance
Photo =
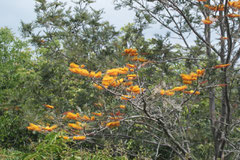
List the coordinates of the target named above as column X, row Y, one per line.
column 12, row 12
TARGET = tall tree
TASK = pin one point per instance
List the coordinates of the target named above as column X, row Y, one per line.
column 218, row 33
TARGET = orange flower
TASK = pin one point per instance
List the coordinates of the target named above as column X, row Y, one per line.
column 181, row 88
column 84, row 72
column 50, row 128
column 75, row 126
column 49, row 106
column 142, row 60
column 108, row 80
column 81, row 138
column 207, row 21
column 135, row 89
column 73, row 65
column 123, row 70
column 131, row 65
column 33, row 127
column 224, row 38
column 97, row 86
column 127, row 97
column 221, row 65
column 113, row 124
column 200, row 72
column 97, row 114
column 85, row 118
column 74, row 70
column 112, row 72
column 220, row 7
column 233, row 15
column 82, row 66
column 91, row 74
column 186, row 77
column 115, row 118
column 98, row 74
column 135, row 58
column 92, row 118
column 71, row 115
column 169, row 93
column 131, row 76
column 187, row 82
column 129, row 83
column 192, row 92
column 65, row 137
column 162, row 91
column 122, row 106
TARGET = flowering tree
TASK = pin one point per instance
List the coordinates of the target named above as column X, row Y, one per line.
column 215, row 26
column 149, row 107
column 169, row 111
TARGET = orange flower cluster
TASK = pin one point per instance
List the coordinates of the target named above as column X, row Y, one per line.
column 221, row 66
column 127, row 97
column 77, row 116
column 167, row 92
column 83, row 72
column 73, row 116
column 207, row 21
column 181, row 88
column 115, row 118
column 233, row 15
column 50, row 128
column 129, row 83
column 131, row 65
column 97, row 114
column 75, row 125
column 116, row 71
column 135, row 89
column 86, row 118
column 224, row 38
column 131, row 52
column 188, row 78
column 111, row 81
column 141, row 59
column 122, row 106
column 234, row 4
column 97, row 86
column 113, row 124
column 192, row 92
column 80, row 138
column 215, row 8
column 131, row 76
column 200, row 72
column 33, row 127
column 49, row 106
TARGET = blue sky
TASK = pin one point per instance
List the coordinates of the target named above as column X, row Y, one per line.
column 13, row 11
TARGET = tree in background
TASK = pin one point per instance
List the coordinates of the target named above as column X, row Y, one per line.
column 17, row 80
column 214, row 27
